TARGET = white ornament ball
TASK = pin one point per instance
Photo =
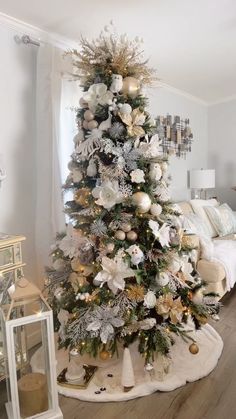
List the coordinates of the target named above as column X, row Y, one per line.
column 142, row 201
column 96, row 282
column 156, row 209
column 162, row 279
column 110, row 247
column 126, row 227
column 72, row 165
column 88, row 115
column 85, row 124
column 132, row 236
column 120, row 235
column 125, row 109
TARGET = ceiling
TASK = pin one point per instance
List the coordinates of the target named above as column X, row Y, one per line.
column 191, row 43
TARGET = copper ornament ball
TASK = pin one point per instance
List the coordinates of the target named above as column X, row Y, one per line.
column 131, row 87
column 193, row 348
column 104, row 355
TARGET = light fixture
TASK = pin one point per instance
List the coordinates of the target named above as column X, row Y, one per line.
column 201, row 180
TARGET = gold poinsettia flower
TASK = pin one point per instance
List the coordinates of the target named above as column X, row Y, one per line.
column 168, row 307
column 134, row 122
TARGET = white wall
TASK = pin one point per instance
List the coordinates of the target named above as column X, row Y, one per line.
column 163, row 101
column 222, row 149
column 17, row 142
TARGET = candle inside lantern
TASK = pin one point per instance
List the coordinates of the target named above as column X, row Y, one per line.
column 33, row 394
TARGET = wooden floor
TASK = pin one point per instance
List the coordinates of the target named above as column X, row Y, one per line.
column 213, row 397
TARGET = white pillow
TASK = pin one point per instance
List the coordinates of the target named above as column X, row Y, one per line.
column 197, row 205
column 222, row 218
column 206, row 247
column 194, row 224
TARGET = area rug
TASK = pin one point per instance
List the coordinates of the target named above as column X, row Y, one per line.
column 106, row 386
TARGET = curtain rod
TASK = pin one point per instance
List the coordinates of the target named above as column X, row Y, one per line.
column 25, row 39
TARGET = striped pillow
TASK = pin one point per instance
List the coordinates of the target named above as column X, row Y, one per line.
column 222, row 218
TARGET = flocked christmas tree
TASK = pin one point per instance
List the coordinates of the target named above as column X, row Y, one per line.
column 120, row 272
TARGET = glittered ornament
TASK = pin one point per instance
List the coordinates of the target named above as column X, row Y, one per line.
column 85, row 124
column 132, row 236
column 110, row 247
column 92, row 124
column 156, row 210
column 193, row 348
column 131, row 87
column 120, row 235
column 104, row 355
column 81, row 196
column 142, row 201
column 88, row 115
column 126, row 227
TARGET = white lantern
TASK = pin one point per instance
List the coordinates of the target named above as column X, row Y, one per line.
column 30, row 394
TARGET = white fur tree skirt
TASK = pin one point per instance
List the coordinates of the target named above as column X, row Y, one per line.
column 184, row 368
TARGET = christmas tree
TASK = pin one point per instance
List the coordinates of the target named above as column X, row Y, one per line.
column 122, row 271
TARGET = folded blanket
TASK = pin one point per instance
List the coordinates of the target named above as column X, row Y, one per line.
column 224, row 252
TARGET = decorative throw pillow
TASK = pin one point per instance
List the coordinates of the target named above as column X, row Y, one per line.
column 198, row 207
column 222, row 218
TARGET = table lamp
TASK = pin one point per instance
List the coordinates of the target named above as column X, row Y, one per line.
column 201, row 180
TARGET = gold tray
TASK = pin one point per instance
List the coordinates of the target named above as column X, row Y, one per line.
column 89, row 373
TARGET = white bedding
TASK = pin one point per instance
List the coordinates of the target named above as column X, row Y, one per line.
column 224, row 252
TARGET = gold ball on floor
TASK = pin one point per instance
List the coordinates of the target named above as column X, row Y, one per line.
column 193, row 348
column 104, row 355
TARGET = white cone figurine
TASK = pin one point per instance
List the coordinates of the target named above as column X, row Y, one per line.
column 127, row 376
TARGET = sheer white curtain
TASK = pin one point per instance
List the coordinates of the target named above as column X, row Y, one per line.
column 55, row 128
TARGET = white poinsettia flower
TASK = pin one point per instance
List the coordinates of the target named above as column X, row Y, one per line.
column 137, row 176
column 98, row 94
column 148, row 323
column 162, row 192
column 162, row 234
column 73, row 242
column 137, row 256
column 108, row 194
column 152, row 148
column 114, row 273
column 103, row 321
column 150, row 299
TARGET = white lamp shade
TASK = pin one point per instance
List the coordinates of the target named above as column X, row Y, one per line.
column 202, row 179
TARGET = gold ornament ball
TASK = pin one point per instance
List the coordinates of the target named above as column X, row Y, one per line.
column 131, row 87
column 92, row 124
column 193, row 348
column 132, row 236
column 104, row 355
column 85, row 124
column 126, row 227
column 120, row 235
column 88, row 115
column 142, row 201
